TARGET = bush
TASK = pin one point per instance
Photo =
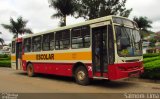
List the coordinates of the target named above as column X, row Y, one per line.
column 151, row 55
column 151, row 68
column 5, row 60
column 4, row 56
column 5, row 63
column 150, row 59
column 9, row 57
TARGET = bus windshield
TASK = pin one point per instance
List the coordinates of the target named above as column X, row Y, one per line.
column 128, row 42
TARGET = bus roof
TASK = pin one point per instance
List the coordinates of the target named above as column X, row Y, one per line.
column 74, row 25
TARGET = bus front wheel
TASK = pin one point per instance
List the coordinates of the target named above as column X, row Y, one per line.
column 81, row 76
column 30, row 70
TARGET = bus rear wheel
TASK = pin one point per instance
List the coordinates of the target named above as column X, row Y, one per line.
column 30, row 70
column 81, row 76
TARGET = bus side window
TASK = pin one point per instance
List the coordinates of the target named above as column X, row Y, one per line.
column 13, row 46
column 48, row 42
column 62, row 40
column 27, row 45
column 81, row 37
column 36, row 43
column 51, row 41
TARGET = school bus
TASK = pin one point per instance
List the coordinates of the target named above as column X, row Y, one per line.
column 104, row 48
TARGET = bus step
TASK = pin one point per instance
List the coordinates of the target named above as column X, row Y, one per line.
column 99, row 77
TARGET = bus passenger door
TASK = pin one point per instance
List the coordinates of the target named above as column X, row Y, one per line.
column 99, row 50
column 19, row 55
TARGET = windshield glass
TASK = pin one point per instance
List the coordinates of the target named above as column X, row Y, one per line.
column 124, row 21
column 128, row 41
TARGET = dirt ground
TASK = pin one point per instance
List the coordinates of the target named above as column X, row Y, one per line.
column 18, row 82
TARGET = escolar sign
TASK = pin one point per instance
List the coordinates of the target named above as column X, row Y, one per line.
column 45, row 56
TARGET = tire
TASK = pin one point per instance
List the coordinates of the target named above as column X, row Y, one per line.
column 81, row 76
column 30, row 70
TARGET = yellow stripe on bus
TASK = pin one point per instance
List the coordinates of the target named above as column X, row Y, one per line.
column 73, row 56
column 13, row 58
column 60, row 56
column 29, row 57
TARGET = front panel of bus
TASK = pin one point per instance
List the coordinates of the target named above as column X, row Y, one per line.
column 128, row 50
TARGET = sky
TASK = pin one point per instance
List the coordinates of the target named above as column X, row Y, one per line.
column 38, row 14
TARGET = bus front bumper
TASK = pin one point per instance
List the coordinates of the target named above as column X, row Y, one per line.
column 125, row 70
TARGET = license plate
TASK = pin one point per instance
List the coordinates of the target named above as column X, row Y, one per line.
column 134, row 74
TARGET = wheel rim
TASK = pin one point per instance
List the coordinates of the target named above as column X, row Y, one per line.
column 81, row 75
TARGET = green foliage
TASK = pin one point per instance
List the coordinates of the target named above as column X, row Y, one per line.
column 151, row 66
column 2, row 41
column 5, row 63
column 143, row 23
column 17, row 27
column 152, row 70
column 147, row 60
column 63, row 8
column 4, row 56
column 153, row 41
column 91, row 9
column 5, row 60
column 151, row 55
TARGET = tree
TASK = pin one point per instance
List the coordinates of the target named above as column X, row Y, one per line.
column 64, row 8
column 153, row 41
column 91, row 9
column 1, row 40
column 17, row 27
column 143, row 23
